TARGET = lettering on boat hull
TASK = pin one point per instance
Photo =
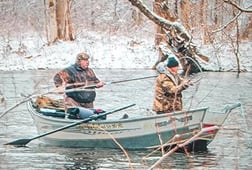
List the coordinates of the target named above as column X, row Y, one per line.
column 101, row 126
column 96, row 129
column 186, row 119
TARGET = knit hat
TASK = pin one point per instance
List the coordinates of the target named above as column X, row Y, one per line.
column 82, row 56
column 172, row 62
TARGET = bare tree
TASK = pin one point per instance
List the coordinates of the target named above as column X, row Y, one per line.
column 176, row 26
column 234, row 22
column 178, row 40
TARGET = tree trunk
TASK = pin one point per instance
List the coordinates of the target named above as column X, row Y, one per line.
column 160, row 7
column 59, row 24
column 51, row 24
column 185, row 12
column 64, row 25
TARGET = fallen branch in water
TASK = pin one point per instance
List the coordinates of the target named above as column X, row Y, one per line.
column 195, row 137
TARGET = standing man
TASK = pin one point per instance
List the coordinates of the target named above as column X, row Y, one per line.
column 168, row 88
column 77, row 75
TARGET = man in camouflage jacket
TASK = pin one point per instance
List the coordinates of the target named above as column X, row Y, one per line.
column 77, row 75
column 168, row 88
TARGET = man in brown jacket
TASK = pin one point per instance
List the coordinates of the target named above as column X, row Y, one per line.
column 168, row 88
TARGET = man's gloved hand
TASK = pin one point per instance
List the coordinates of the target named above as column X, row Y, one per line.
column 186, row 83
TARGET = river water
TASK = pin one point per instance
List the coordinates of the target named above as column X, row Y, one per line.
column 231, row 149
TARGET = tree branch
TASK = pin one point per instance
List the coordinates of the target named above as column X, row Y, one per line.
column 236, row 16
column 248, row 10
column 231, row 21
column 159, row 20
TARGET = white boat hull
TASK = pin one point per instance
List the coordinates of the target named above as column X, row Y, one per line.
column 131, row 133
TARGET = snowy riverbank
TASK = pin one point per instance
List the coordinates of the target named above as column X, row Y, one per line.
column 106, row 52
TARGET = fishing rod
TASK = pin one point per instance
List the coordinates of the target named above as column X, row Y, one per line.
column 83, row 88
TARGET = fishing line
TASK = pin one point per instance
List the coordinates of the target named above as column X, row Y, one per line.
column 196, row 90
column 198, row 82
column 193, row 60
column 215, row 86
column 243, row 113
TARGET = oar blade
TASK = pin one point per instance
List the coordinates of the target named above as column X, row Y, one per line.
column 19, row 142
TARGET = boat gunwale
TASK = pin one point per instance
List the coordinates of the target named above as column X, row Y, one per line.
column 131, row 119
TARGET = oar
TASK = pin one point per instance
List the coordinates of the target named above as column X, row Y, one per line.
column 23, row 142
column 106, row 83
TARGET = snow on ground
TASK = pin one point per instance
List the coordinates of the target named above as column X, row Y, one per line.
column 105, row 52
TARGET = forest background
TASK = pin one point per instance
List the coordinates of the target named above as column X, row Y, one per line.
column 49, row 34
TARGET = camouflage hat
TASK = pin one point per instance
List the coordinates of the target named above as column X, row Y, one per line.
column 82, row 56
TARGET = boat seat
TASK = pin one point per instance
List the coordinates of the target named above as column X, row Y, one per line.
column 83, row 113
column 52, row 112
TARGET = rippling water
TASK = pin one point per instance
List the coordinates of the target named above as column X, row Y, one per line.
column 231, row 148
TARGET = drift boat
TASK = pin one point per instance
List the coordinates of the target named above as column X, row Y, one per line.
column 187, row 129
